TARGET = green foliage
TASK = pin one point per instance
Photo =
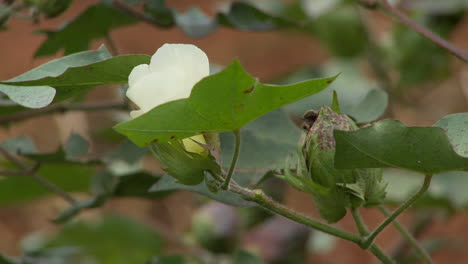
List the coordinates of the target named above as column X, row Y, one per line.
column 389, row 143
column 456, row 128
column 100, row 241
column 240, row 100
column 408, row 47
column 188, row 168
column 170, row 184
column 75, row 75
column 40, row 95
column 341, row 25
column 195, row 23
column 266, row 142
column 50, row 8
column 96, row 21
column 358, row 95
column 244, row 257
column 58, row 167
column 246, row 17
column 168, row 260
column 162, row 16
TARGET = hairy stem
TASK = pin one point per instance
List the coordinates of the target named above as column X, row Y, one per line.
column 235, row 156
column 409, row 238
column 427, row 182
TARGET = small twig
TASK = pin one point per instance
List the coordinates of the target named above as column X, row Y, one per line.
column 111, row 45
column 235, row 156
column 370, row 239
column 62, row 107
column 38, row 178
column 409, row 238
column 424, row 31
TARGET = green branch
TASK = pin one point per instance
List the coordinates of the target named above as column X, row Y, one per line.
column 260, row 198
column 409, row 238
column 361, row 226
column 227, row 181
column 427, row 182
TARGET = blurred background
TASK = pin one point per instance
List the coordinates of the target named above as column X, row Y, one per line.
column 387, row 71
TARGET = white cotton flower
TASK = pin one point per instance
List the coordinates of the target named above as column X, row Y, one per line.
column 173, row 71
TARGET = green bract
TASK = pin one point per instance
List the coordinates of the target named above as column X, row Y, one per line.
column 332, row 189
column 225, row 101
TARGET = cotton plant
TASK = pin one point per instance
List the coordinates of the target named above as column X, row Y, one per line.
column 179, row 111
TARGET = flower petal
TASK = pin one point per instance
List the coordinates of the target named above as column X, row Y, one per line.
column 137, row 73
column 186, row 57
column 191, row 146
column 158, row 88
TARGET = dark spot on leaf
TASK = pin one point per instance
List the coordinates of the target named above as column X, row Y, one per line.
column 238, row 107
column 172, row 137
column 154, row 141
column 249, row 90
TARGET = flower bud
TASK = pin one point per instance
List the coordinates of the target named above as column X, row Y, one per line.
column 333, row 190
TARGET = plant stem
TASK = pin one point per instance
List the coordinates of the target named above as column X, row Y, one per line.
column 398, row 211
column 378, row 253
column 424, row 31
column 409, row 238
column 111, row 45
column 361, row 226
column 62, row 107
column 259, row 197
column 235, row 156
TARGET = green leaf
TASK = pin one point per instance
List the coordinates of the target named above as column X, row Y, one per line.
column 69, row 177
column 341, row 25
column 168, row 183
column 99, row 241
column 53, row 8
column 408, row 47
column 234, row 97
column 195, row 23
column 358, row 95
column 162, row 16
column 22, row 145
column 40, row 95
column 266, row 142
column 391, row 144
column 7, row 260
column 97, row 21
column 75, row 147
column 456, row 127
column 168, row 260
column 447, row 189
column 73, row 79
column 244, row 257
column 247, row 17
column 127, row 152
